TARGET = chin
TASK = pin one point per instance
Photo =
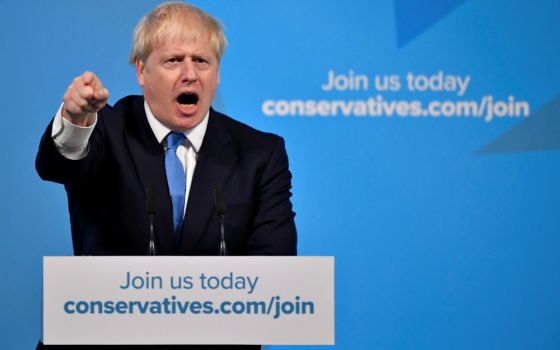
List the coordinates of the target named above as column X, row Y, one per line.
column 186, row 123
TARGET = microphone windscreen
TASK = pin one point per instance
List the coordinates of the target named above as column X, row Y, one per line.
column 150, row 201
column 219, row 201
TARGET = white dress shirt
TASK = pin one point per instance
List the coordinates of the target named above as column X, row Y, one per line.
column 72, row 141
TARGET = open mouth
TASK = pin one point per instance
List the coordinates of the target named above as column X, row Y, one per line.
column 187, row 100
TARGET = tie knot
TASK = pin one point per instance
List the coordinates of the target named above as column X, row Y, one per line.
column 174, row 139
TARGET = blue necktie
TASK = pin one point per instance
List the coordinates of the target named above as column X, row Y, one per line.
column 175, row 180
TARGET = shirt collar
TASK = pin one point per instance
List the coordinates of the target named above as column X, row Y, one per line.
column 194, row 135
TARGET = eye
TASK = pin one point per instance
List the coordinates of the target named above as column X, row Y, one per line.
column 173, row 60
column 200, row 60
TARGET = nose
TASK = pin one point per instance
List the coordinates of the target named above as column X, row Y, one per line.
column 188, row 72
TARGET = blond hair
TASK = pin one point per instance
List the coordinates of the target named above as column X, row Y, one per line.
column 159, row 24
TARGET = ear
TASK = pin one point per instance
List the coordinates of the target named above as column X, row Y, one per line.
column 140, row 72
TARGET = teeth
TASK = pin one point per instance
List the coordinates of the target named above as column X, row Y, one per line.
column 191, row 105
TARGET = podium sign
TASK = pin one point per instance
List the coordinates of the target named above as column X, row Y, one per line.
column 188, row 300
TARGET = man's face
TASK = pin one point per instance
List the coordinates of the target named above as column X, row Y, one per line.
column 179, row 78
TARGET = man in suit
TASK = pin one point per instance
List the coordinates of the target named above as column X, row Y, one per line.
column 106, row 156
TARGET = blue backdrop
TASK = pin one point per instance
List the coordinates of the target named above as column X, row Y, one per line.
column 429, row 168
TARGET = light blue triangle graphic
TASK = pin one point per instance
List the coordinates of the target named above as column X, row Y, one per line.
column 539, row 132
column 413, row 17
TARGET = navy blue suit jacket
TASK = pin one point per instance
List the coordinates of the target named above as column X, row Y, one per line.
column 107, row 196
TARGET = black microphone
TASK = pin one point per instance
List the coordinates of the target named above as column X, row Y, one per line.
column 151, row 211
column 220, row 205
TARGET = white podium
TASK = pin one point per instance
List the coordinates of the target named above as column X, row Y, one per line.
column 188, row 300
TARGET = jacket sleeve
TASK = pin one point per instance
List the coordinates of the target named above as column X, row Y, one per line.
column 274, row 230
column 52, row 166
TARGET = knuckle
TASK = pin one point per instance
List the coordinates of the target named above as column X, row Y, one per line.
column 82, row 104
column 87, row 92
column 71, row 108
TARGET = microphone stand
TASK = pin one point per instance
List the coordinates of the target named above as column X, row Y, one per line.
column 151, row 211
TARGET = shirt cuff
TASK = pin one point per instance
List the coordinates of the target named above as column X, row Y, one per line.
column 71, row 141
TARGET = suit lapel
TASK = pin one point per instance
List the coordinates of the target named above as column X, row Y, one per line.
column 149, row 163
column 216, row 159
